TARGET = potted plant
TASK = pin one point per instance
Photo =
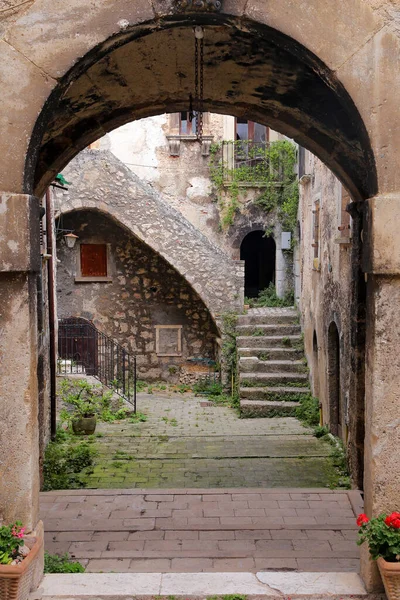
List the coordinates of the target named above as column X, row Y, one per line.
column 83, row 401
column 18, row 556
column 383, row 537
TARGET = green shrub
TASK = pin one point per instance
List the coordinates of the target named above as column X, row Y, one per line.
column 65, row 462
column 53, row 563
column 308, row 411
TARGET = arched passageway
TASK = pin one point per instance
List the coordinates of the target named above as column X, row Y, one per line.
column 62, row 87
column 258, row 252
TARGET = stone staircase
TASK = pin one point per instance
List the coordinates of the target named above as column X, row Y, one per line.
column 273, row 374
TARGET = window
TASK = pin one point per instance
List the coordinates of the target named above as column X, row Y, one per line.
column 93, row 260
column 248, row 130
column 187, row 127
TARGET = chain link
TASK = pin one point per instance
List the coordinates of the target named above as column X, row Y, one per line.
column 201, row 98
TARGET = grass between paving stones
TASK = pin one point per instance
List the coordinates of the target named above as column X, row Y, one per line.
column 67, row 461
column 54, row 563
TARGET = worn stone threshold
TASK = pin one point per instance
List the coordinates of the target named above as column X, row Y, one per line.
column 278, row 584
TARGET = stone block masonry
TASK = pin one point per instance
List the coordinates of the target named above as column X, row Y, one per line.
column 101, row 182
column 144, row 303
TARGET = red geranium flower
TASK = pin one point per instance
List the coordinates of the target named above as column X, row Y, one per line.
column 362, row 519
column 393, row 520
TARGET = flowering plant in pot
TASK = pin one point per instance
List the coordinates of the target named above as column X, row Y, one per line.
column 382, row 534
column 17, row 561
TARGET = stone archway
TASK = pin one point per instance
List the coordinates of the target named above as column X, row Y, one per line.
column 334, row 89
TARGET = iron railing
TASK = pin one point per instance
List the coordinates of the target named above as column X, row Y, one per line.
column 250, row 163
column 83, row 349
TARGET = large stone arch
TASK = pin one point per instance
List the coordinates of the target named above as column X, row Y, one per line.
column 42, row 63
column 101, row 182
column 322, row 71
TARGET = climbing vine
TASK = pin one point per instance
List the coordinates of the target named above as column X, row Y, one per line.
column 270, row 166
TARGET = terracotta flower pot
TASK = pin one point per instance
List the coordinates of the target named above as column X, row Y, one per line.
column 85, row 425
column 16, row 581
column 390, row 573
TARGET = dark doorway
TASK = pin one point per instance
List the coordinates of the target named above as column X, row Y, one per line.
column 258, row 253
column 78, row 343
column 335, row 403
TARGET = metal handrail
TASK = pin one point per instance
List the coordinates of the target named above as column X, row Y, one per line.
column 83, row 349
column 249, row 154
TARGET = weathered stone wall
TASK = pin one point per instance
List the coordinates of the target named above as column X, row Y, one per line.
column 326, row 285
column 100, row 181
column 185, row 183
column 144, row 291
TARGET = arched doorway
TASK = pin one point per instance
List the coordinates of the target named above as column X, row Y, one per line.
column 258, row 253
column 334, row 389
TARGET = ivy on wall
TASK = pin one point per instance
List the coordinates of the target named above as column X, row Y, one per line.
column 236, row 166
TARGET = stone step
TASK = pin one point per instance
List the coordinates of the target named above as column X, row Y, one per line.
column 271, row 353
column 264, row 408
column 278, row 394
column 259, row 330
column 271, row 319
column 255, row 365
column 271, row 379
column 270, row 341
column 266, row 585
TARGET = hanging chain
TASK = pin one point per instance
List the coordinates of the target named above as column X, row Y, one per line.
column 198, row 83
column 201, row 98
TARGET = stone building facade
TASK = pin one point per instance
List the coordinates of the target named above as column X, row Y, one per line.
column 163, row 154
column 143, row 303
column 328, row 280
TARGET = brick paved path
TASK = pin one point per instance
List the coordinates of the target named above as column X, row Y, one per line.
column 186, row 445
column 204, row 530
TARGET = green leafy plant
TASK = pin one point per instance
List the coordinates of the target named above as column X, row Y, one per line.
column 82, row 399
column 66, row 461
column 382, row 535
column 54, row 563
column 138, row 417
column 267, row 166
column 308, row 411
column 11, row 538
column 268, row 298
column 140, row 385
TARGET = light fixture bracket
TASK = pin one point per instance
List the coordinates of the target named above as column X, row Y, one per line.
column 199, row 5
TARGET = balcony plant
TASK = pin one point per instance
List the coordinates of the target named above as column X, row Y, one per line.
column 382, row 534
column 18, row 555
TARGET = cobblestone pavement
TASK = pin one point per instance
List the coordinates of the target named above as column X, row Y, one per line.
column 246, row 523
column 184, row 444
column 204, row 530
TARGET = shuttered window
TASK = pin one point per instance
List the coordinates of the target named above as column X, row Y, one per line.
column 93, row 260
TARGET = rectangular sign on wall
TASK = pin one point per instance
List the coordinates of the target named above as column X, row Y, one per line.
column 286, row 240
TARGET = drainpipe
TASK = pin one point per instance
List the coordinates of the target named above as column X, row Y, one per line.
column 52, row 316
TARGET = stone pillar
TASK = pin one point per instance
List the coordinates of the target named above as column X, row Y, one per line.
column 382, row 389
column 19, row 432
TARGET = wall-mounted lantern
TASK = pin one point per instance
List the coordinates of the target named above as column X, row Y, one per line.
column 70, row 239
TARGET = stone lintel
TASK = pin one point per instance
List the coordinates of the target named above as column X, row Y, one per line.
column 381, row 235
column 19, row 233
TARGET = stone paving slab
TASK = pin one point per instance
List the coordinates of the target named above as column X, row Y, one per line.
column 197, row 585
column 185, row 445
column 234, row 530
